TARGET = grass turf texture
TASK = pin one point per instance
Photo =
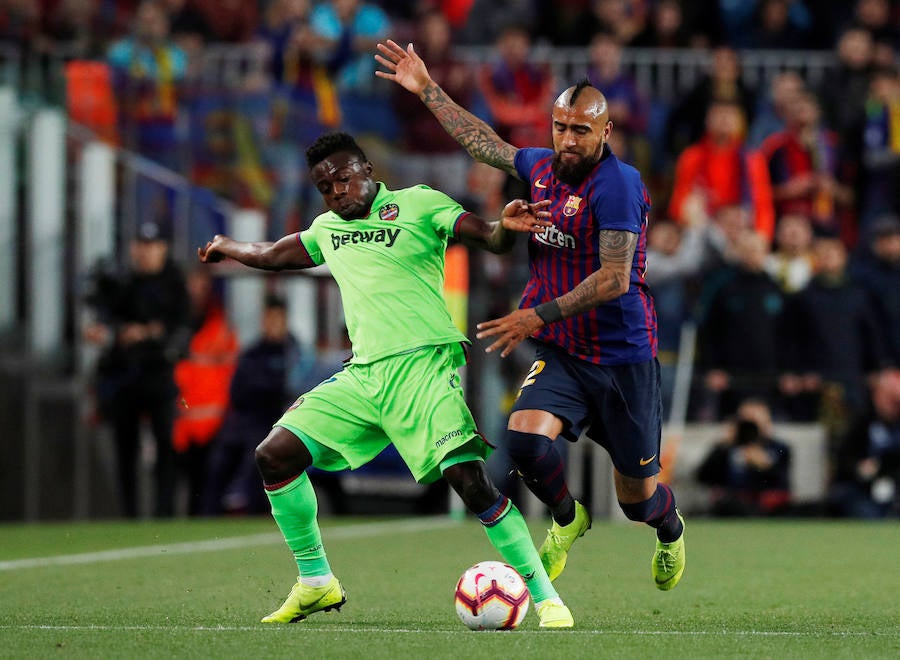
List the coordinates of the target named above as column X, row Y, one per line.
column 776, row 589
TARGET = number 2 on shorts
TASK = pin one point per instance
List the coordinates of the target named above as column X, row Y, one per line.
column 536, row 368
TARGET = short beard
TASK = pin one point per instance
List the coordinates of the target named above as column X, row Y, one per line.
column 574, row 174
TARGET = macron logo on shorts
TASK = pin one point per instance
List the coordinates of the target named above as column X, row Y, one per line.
column 448, row 436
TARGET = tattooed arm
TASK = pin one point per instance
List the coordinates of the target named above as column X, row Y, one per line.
column 408, row 70
column 608, row 283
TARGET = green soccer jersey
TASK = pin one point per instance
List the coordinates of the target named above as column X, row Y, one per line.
column 390, row 270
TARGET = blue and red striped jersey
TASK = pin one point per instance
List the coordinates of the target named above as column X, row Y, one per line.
column 612, row 196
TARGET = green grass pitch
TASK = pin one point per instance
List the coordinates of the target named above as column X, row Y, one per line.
column 196, row 589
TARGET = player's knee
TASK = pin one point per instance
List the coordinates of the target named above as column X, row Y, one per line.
column 266, row 463
column 281, row 456
column 524, row 448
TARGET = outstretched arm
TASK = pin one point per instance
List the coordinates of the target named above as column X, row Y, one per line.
column 407, row 69
column 500, row 235
column 285, row 253
column 608, row 283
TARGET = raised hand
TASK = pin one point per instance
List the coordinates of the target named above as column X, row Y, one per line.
column 404, row 67
column 520, row 215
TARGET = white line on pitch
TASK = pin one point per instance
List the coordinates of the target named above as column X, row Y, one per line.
column 418, row 631
column 231, row 543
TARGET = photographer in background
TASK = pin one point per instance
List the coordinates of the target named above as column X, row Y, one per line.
column 749, row 470
column 867, row 469
column 144, row 329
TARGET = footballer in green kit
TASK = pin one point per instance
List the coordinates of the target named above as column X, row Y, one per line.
column 385, row 249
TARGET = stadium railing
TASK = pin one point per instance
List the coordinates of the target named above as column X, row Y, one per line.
column 662, row 74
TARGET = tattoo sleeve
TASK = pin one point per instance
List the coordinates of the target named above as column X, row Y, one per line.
column 610, row 281
column 479, row 139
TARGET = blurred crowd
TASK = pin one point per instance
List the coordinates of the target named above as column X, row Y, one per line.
column 775, row 226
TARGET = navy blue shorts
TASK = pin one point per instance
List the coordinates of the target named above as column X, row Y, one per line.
column 618, row 405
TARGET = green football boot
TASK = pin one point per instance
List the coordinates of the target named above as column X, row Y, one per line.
column 554, row 615
column 305, row 600
column 555, row 549
column 668, row 561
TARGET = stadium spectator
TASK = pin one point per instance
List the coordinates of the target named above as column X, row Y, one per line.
column 678, row 254
column 739, row 331
column 748, row 471
column 810, row 174
column 866, row 479
column 879, row 19
column 427, row 154
column 877, row 268
column 232, row 21
column 20, row 23
column 148, row 72
column 304, row 105
column 728, row 227
column 562, row 23
column 488, row 18
column 736, row 21
column 831, row 336
column 723, row 172
column 844, row 90
column 395, row 389
column 791, row 262
column 517, row 91
column 770, row 115
column 596, row 359
column 723, row 82
column 628, row 108
column 703, row 21
column 202, row 377
column 878, row 140
column 144, row 327
column 623, row 18
column 350, row 29
column 884, row 55
column 189, row 28
column 292, row 43
column 778, row 25
column 665, row 28
column 262, row 387
column 73, row 28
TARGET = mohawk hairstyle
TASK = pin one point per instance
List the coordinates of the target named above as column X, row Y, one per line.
column 329, row 144
column 580, row 85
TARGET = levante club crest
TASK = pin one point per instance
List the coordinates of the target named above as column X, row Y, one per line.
column 572, row 205
column 389, row 212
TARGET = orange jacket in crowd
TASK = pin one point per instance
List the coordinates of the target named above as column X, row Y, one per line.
column 727, row 176
column 203, row 379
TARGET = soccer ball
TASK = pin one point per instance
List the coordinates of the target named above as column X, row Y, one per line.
column 491, row 596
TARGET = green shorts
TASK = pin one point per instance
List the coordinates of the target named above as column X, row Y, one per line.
column 413, row 400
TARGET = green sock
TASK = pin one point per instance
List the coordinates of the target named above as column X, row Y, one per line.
column 507, row 531
column 294, row 508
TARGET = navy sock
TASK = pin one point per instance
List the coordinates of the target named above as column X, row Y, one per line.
column 564, row 512
column 543, row 471
column 658, row 511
